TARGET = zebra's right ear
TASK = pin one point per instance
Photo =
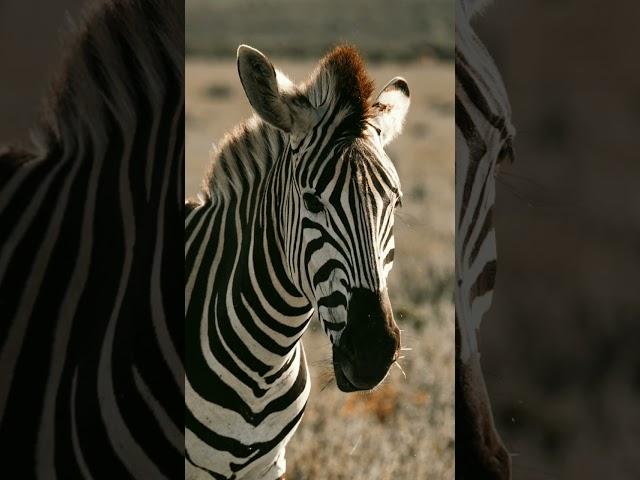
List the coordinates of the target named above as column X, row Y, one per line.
column 272, row 95
column 390, row 109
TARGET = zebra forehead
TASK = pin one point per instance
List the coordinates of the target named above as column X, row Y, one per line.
column 341, row 78
column 372, row 165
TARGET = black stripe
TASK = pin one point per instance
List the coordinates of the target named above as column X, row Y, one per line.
column 485, row 281
column 477, row 150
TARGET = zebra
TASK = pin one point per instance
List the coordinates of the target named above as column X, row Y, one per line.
column 91, row 337
column 295, row 218
column 484, row 140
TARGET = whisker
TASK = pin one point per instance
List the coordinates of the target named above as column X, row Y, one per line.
column 400, row 368
column 408, row 220
column 355, row 445
column 322, row 362
column 326, row 384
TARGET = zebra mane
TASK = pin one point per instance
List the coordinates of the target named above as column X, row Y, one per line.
column 341, row 77
column 118, row 58
column 340, row 81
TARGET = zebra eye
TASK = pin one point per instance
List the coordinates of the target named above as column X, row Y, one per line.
column 312, row 202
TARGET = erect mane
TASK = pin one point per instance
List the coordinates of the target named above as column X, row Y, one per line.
column 342, row 76
column 244, row 154
column 121, row 57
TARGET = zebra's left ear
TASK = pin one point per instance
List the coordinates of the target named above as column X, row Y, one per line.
column 390, row 109
column 272, row 95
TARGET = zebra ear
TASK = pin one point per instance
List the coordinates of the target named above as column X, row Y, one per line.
column 271, row 94
column 390, row 109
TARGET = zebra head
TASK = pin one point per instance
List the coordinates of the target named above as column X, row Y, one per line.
column 339, row 192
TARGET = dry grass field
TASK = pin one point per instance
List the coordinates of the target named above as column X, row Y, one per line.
column 404, row 429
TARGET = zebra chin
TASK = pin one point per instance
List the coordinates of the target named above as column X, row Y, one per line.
column 368, row 345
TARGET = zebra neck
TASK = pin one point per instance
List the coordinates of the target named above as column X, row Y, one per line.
column 264, row 282
column 259, row 312
column 259, row 304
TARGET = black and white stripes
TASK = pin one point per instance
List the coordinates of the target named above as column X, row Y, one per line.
column 484, row 138
column 295, row 218
column 91, row 376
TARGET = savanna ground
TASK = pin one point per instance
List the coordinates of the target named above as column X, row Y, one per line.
column 405, row 428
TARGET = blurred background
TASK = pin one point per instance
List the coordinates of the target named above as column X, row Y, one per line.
column 560, row 346
column 32, row 37
column 405, row 429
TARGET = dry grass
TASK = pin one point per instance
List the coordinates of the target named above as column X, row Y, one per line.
column 402, row 430
column 405, row 428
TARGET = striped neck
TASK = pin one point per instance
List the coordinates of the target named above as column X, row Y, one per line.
column 260, row 289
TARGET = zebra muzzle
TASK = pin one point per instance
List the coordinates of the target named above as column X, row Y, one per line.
column 369, row 343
